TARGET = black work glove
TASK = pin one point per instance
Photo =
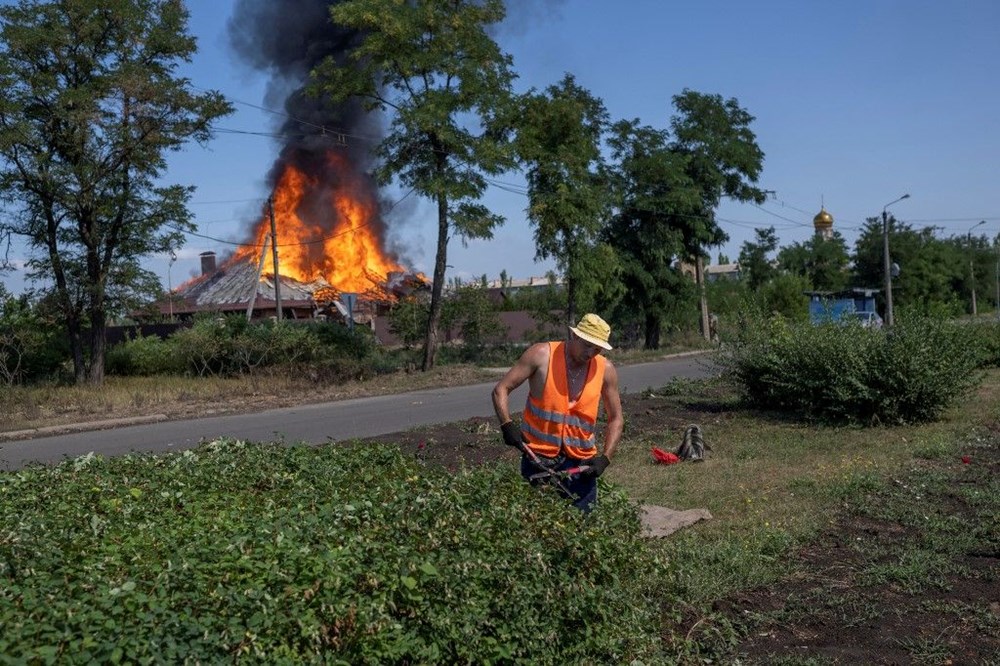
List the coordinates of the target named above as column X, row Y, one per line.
column 598, row 465
column 511, row 434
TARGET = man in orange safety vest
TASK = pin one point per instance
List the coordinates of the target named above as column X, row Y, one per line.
column 567, row 381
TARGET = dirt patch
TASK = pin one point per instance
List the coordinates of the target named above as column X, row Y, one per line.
column 477, row 440
column 831, row 609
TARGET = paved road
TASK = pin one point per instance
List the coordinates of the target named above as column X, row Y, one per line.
column 316, row 424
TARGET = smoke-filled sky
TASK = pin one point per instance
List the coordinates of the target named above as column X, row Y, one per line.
column 856, row 103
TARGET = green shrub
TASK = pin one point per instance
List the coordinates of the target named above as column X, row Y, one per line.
column 339, row 341
column 987, row 336
column 32, row 346
column 408, row 321
column 351, row 555
column 910, row 373
column 144, row 356
column 205, row 347
column 470, row 314
column 225, row 346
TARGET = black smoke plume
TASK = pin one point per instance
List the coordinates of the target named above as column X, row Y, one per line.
column 285, row 40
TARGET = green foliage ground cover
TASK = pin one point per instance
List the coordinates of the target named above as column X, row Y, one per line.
column 342, row 555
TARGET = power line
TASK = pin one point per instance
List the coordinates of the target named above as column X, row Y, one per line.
column 781, row 217
column 231, row 201
column 323, row 129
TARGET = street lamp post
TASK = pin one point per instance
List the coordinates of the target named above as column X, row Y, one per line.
column 885, row 260
column 997, row 277
column 972, row 268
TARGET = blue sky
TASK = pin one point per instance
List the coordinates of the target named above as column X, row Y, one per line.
column 856, row 103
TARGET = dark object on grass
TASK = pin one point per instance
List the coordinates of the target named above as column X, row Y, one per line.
column 692, row 445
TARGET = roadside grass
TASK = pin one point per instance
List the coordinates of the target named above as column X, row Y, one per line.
column 23, row 407
column 774, row 485
column 179, row 396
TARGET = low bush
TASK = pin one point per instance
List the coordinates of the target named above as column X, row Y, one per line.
column 144, row 356
column 337, row 340
column 227, row 346
column 908, row 374
column 987, row 334
column 32, row 346
column 352, row 555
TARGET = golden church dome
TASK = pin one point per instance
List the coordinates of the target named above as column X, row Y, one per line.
column 823, row 219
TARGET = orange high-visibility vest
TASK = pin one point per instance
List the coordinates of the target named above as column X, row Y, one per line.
column 551, row 425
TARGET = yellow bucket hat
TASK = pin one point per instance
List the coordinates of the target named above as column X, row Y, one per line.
column 594, row 330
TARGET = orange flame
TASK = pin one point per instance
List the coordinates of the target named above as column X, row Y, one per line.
column 347, row 253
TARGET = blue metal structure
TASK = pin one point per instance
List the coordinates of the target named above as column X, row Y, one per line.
column 834, row 305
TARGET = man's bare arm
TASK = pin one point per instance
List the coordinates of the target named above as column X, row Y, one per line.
column 613, row 409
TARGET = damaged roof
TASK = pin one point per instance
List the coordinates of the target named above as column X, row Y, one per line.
column 233, row 284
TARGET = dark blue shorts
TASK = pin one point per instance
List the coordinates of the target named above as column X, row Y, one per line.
column 582, row 489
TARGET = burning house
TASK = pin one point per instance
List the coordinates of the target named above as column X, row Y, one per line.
column 322, row 233
column 328, row 235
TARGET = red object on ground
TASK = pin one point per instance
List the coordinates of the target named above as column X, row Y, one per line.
column 664, row 457
column 966, row 459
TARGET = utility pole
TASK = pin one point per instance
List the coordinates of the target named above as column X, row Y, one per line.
column 256, row 282
column 885, row 261
column 997, row 274
column 972, row 267
column 274, row 254
column 886, row 268
column 997, row 302
column 972, row 275
column 699, row 275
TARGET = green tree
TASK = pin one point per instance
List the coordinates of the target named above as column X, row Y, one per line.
column 432, row 65
column 408, row 320
column 667, row 190
column 982, row 263
column 559, row 137
column 91, row 106
column 934, row 273
column 755, row 261
column 31, row 344
column 724, row 160
column 726, row 299
column 657, row 200
column 823, row 262
column 784, row 294
column 470, row 313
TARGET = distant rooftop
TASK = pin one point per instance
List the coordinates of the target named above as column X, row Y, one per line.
column 513, row 283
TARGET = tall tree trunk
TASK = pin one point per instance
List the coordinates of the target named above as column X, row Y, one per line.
column 571, row 283
column 95, row 312
column 75, row 334
column 98, row 341
column 570, row 299
column 69, row 308
column 699, row 272
column 652, row 332
column 441, row 260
